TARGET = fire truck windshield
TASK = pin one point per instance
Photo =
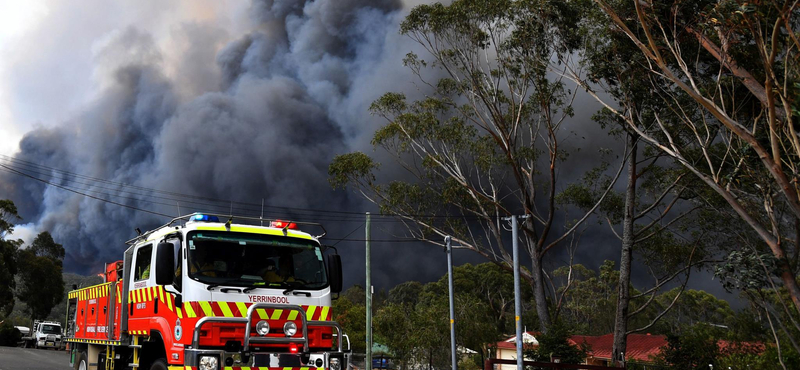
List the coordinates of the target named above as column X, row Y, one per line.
column 255, row 260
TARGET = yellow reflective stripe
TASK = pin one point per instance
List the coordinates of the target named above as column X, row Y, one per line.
column 276, row 314
column 206, row 308
column 242, row 308
column 324, row 315
column 180, row 313
column 292, row 315
column 310, row 312
column 168, row 296
column 226, row 311
column 257, row 230
column 161, row 293
column 262, row 314
column 189, row 310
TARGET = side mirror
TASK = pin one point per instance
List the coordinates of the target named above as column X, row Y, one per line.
column 335, row 273
column 165, row 264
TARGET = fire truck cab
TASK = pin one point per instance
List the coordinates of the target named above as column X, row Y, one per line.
column 201, row 293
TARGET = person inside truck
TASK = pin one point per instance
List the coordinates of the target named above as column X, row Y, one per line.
column 204, row 264
column 276, row 275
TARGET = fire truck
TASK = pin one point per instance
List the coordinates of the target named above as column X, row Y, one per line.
column 201, row 293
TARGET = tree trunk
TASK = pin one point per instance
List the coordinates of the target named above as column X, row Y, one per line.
column 539, row 295
column 626, row 256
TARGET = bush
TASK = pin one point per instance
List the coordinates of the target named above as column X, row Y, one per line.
column 9, row 335
column 556, row 344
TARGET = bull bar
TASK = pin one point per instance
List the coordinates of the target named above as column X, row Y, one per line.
column 270, row 340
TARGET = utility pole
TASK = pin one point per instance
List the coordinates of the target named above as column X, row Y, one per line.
column 447, row 241
column 368, row 289
column 517, row 293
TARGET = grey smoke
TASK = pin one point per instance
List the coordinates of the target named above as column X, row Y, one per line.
column 243, row 116
column 264, row 121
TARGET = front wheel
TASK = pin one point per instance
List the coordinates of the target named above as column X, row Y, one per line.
column 81, row 363
column 160, row 364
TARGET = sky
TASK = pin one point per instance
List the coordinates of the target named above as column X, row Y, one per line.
column 245, row 101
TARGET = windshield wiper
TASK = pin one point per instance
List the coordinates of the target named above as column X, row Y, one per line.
column 292, row 287
column 250, row 288
column 212, row 286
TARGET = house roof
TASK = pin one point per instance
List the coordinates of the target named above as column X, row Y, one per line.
column 528, row 337
column 641, row 347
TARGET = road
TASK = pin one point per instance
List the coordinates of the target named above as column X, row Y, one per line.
column 13, row 358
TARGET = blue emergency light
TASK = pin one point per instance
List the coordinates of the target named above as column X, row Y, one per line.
column 205, row 218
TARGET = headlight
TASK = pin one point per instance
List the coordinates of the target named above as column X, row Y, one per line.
column 290, row 328
column 262, row 328
column 335, row 364
column 208, row 363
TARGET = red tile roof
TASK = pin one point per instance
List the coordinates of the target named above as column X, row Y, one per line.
column 641, row 347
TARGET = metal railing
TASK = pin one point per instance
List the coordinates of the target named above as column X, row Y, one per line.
column 489, row 365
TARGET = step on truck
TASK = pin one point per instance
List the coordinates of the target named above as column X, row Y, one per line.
column 201, row 293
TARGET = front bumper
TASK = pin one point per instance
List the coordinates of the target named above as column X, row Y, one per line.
column 246, row 356
column 225, row 360
column 56, row 343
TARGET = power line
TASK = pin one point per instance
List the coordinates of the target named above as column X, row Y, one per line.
column 88, row 195
column 13, row 165
column 348, row 234
column 338, row 240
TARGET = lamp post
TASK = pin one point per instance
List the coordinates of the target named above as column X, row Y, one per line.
column 449, row 249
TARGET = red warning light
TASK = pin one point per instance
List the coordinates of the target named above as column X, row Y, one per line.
column 283, row 224
column 293, row 348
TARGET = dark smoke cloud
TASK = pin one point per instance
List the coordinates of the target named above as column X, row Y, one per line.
column 268, row 128
column 247, row 112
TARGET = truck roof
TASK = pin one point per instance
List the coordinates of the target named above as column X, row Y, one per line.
column 209, row 221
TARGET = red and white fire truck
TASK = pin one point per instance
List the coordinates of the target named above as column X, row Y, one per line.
column 199, row 293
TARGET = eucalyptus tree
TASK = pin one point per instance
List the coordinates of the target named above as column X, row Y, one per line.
column 8, row 255
column 488, row 140
column 725, row 76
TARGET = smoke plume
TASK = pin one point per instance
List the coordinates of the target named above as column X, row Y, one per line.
column 258, row 115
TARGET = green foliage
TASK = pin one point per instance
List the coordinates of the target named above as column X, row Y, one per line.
column 9, row 335
column 589, row 305
column 694, row 349
column 350, row 312
column 8, row 256
column 555, row 343
column 352, row 167
column 42, row 284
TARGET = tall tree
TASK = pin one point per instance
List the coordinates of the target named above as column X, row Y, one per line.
column 725, row 74
column 488, row 141
column 42, row 284
column 8, row 256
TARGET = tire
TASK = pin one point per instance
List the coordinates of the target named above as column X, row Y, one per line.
column 160, row 364
column 81, row 363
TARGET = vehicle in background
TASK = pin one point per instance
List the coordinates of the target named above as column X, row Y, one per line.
column 45, row 334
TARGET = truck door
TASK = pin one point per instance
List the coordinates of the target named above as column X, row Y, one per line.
column 141, row 278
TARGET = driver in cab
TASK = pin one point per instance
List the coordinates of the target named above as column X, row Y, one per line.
column 279, row 275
